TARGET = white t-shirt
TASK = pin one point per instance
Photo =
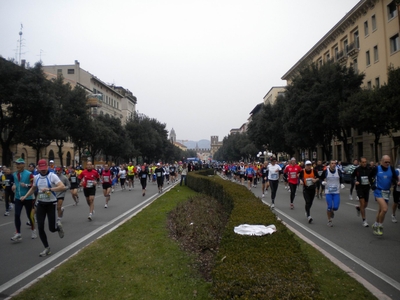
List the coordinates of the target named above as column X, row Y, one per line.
column 273, row 171
column 45, row 182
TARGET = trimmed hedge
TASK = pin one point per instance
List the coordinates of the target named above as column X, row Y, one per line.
column 254, row 267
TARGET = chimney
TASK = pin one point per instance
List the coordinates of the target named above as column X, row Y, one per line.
column 23, row 61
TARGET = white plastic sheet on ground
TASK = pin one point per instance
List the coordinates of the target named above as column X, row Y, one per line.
column 246, row 229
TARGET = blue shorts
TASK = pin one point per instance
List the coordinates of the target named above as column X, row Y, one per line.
column 379, row 194
column 333, row 201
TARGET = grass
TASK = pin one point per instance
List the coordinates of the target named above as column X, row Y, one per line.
column 139, row 260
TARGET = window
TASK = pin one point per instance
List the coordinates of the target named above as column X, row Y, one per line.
column 320, row 62
column 394, row 43
column 355, row 65
column 377, row 82
column 345, row 46
column 59, row 71
column 376, row 56
column 373, row 22
column 392, row 10
column 356, row 39
column 327, row 57
column 336, row 53
column 71, row 71
column 368, row 58
column 366, row 31
column 369, row 85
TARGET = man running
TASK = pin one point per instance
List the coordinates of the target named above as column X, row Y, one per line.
column 47, row 184
column 351, row 170
column 381, row 179
column 22, row 183
column 61, row 195
column 8, row 182
column 332, row 179
column 106, row 179
column 273, row 171
column 74, row 185
column 115, row 170
column 264, row 178
column 360, row 178
column 319, row 188
column 88, row 180
column 293, row 171
column 159, row 171
column 308, row 178
column 143, row 173
column 131, row 175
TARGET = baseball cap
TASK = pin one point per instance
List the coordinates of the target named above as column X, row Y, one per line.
column 20, row 161
column 292, row 158
column 158, row 164
column 42, row 165
column 51, row 161
column 58, row 169
column 308, row 162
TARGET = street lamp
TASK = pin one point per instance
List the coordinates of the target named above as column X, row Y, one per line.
column 262, row 154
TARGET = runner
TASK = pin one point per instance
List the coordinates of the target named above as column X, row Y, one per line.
column 273, row 171
column 131, row 175
column 396, row 197
column 166, row 173
column 143, row 173
column 172, row 172
column 159, row 175
column 250, row 174
column 47, row 184
column 293, row 171
column 106, row 179
column 381, row 179
column 74, row 185
column 61, row 195
column 22, row 183
column 115, row 170
column 360, row 178
column 88, row 180
column 8, row 182
column 264, row 178
column 332, row 179
column 308, row 178
column 122, row 177
column 319, row 188
column 351, row 170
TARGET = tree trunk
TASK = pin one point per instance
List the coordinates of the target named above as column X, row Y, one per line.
column 376, row 141
column 60, row 145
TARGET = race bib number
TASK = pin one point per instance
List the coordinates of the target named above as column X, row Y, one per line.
column 385, row 194
column 6, row 182
column 293, row 175
column 89, row 183
column 309, row 182
column 320, row 173
column 364, row 180
column 332, row 189
column 73, row 179
column 106, row 178
column 144, row 176
column 159, row 174
column 44, row 196
column 274, row 176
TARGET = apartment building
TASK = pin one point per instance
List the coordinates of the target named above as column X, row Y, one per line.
column 273, row 93
column 104, row 99
column 366, row 38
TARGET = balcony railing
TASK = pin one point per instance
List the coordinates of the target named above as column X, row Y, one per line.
column 353, row 49
column 94, row 102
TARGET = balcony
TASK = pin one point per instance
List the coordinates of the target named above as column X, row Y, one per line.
column 341, row 56
column 353, row 49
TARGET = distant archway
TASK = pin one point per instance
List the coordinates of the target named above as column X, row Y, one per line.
column 68, row 159
column 51, row 155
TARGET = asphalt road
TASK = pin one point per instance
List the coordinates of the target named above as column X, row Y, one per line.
column 373, row 260
column 20, row 263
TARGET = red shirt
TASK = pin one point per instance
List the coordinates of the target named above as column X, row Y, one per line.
column 106, row 176
column 88, row 178
column 293, row 171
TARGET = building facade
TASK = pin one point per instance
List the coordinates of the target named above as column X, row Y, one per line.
column 367, row 39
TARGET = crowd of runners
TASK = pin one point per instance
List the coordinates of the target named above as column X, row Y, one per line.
column 41, row 189
column 324, row 180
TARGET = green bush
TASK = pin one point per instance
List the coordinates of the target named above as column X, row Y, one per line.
column 254, row 267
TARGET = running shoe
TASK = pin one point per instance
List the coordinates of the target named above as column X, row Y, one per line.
column 90, row 217
column 272, row 206
column 17, row 237
column 112, row 190
column 309, row 219
column 350, row 197
column 291, row 206
column 106, row 206
column 45, row 252
column 375, row 229
column 333, row 214
column 380, row 230
column 34, row 235
column 62, row 212
column 28, row 223
column 60, row 229
column 263, row 195
column 143, row 194
column 7, row 213
column 358, row 211
column 12, row 206
column 365, row 223
column 330, row 224
column 394, row 220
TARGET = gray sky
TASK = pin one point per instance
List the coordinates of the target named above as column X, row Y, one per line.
column 198, row 66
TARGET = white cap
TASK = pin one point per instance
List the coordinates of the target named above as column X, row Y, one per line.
column 158, row 164
column 51, row 161
column 308, row 162
column 292, row 158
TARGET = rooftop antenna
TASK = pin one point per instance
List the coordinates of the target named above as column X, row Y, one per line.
column 20, row 44
column 40, row 55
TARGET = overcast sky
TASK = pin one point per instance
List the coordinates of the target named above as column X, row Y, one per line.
column 200, row 67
